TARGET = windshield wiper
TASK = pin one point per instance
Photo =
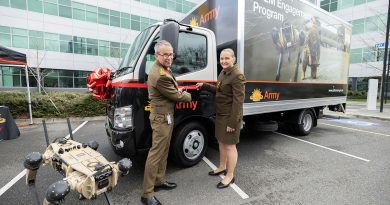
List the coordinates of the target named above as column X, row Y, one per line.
column 126, row 67
column 122, row 69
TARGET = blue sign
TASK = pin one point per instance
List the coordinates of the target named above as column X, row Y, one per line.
column 380, row 45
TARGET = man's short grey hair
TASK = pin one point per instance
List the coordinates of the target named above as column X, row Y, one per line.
column 159, row 44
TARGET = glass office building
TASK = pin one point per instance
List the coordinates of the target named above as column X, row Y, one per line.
column 368, row 19
column 67, row 39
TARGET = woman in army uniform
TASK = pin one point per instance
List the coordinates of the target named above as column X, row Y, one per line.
column 230, row 93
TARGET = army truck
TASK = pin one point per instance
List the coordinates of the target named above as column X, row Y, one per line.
column 274, row 41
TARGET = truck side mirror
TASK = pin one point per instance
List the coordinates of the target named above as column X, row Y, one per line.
column 170, row 32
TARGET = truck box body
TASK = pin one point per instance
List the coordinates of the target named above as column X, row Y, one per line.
column 248, row 27
column 274, row 41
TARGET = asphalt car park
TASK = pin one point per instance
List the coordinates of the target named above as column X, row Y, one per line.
column 343, row 161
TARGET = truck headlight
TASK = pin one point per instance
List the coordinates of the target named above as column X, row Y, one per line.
column 123, row 117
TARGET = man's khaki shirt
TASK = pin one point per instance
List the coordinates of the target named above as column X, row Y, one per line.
column 163, row 90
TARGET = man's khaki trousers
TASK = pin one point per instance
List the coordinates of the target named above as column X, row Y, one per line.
column 156, row 162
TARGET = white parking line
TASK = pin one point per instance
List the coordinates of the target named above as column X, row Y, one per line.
column 234, row 186
column 350, row 155
column 376, row 133
column 75, row 130
column 23, row 173
column 12, row 182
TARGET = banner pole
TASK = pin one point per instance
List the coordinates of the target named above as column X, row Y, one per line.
column 29, row 96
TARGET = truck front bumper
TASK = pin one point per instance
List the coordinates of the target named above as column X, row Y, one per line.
column 126, row 136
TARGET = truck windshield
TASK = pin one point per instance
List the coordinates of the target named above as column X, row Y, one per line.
column 127, row 64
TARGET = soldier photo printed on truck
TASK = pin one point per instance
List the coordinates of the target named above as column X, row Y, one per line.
column 303, row 43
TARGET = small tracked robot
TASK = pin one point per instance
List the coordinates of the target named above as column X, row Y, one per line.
column 86, row 171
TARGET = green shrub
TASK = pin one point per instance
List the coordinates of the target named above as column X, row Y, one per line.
column 67, row 104
column 356, row 94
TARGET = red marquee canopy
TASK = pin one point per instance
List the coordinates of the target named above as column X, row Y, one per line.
column 11, row 57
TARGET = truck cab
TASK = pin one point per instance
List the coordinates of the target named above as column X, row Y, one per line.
column 127, row 122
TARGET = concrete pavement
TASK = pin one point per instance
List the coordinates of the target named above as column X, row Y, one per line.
column 359, row 109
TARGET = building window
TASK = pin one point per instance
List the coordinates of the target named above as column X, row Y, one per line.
column 124, row 48
column 115, row 19
column 65, row 79
column 19, row 38
column 380, row 54
column 31, row 79
column 371, row 24
column 10, row 76
column 115, row 51
column 79, row 45
column 4, row 3
column 154, row 2
column 35, row 5
column 50, row 8
column 104, row 48
column 66, row 44
column 18, row 4
column 5, row 36
column 91, row 14
column 50, row 77
column 80, row 82
column 356, row 55
column 36, row 40
column 144, row 23
column 369, row 54
column 329, row 5
column 92, row 47
column 171, row 5
column 162, row 3
column 103, row 16
column 125, row 20
column 80, row 79
column 78, row 11
column 135, row 22
column 52, row 42
column 358, row 26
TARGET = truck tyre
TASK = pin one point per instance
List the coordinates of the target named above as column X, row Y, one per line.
column 189, row 144
column 304, row 127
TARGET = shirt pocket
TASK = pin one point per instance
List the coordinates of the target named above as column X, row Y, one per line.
column 160, row 118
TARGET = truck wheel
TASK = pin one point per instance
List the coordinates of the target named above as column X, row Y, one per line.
column 304, row 127
column 189, row 144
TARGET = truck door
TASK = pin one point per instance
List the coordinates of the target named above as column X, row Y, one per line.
column 193, row 63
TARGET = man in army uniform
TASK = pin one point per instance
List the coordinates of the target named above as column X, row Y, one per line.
column 163, row 93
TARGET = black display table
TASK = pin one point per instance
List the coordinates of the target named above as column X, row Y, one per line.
column 8, row 128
